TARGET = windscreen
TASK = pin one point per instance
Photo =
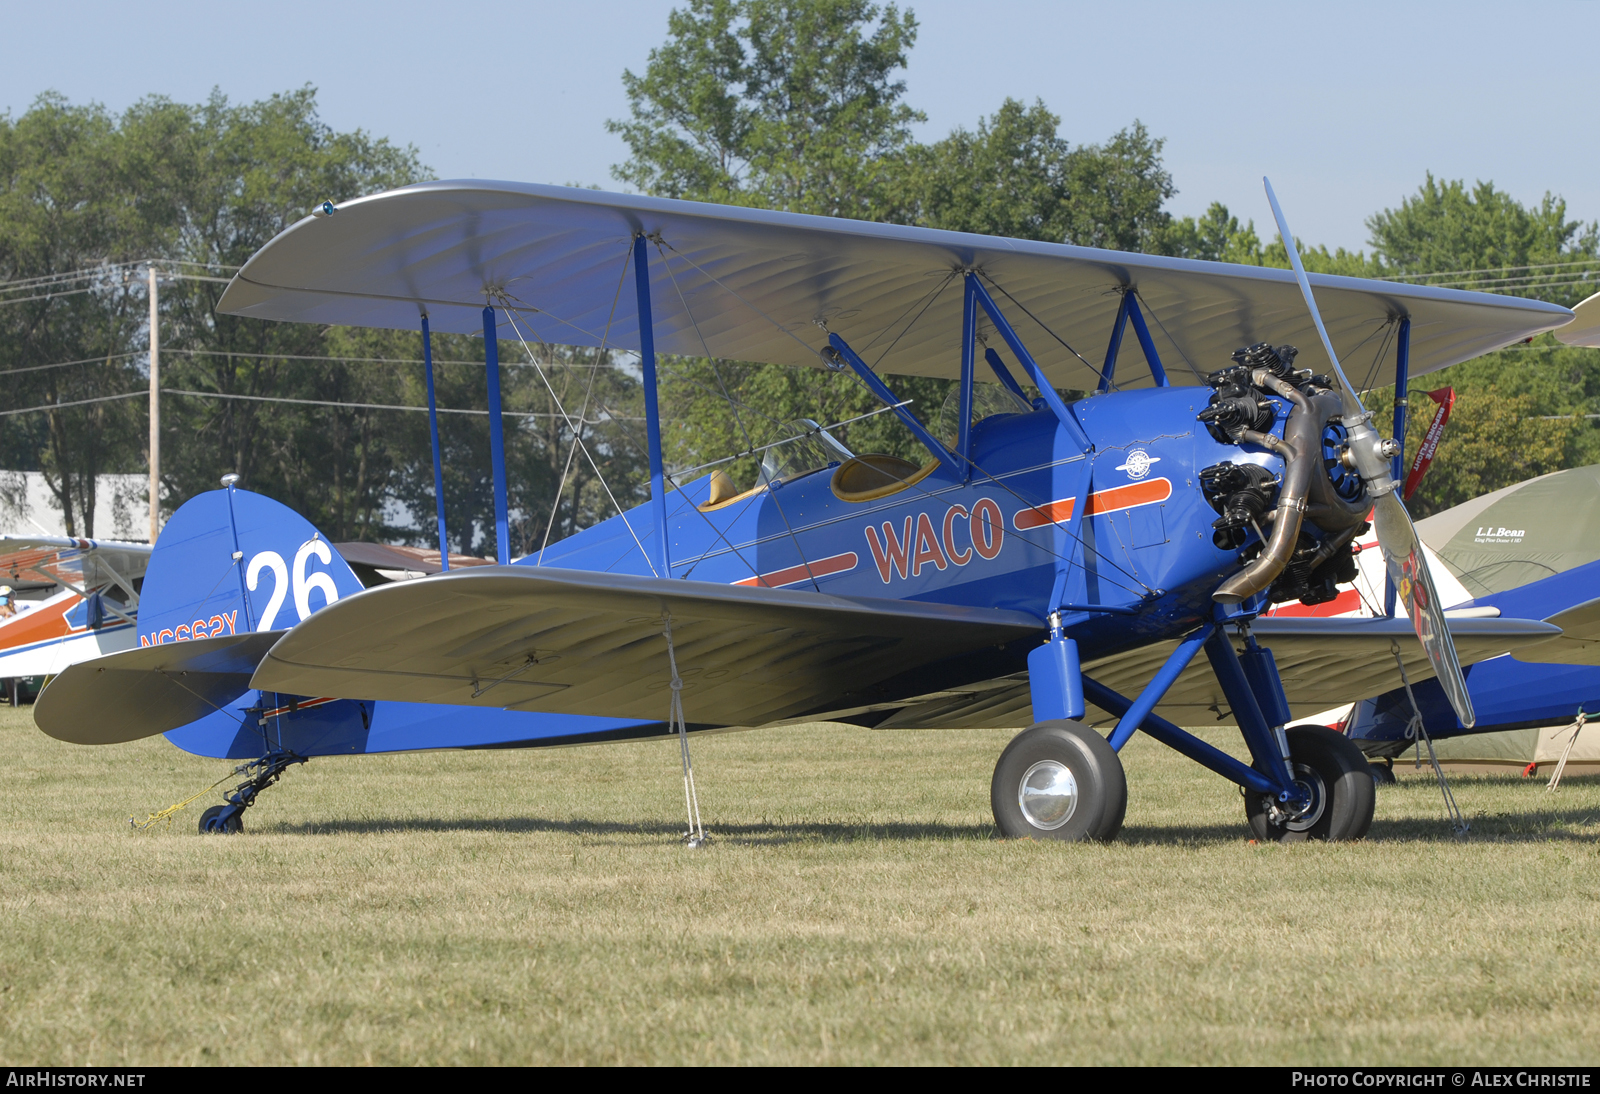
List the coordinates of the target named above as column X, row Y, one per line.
column 800, row 446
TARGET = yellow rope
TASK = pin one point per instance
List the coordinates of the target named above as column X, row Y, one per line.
column 172, row 810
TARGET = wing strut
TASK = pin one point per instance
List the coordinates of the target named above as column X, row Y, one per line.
column 497, row 438
column 433, row 434
column 652, row 407
column 1402, row 375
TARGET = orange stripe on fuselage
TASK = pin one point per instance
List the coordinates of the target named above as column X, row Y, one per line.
column 836, row 564
column 286, row 709
column 39, row 625
column 1101, row 501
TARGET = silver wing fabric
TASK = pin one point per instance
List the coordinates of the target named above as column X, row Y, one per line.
column 139, row 693
column 576, row 642
column 755, row 285
column 1324, row 663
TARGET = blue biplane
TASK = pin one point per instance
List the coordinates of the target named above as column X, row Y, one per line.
column 1045, row 560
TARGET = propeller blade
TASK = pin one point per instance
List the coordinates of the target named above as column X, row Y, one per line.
column 1397, row 536
column 1352, row 401
column 1408, row 572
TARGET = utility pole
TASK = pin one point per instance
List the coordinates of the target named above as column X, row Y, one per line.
column 155, row 410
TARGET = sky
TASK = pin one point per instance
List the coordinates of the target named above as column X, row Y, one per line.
column 1346, row 107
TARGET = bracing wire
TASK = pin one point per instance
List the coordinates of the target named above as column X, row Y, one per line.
column 743, row 431
column 1388, row 330
column 933, row 292
column 1153, row 314
column 1040, row 322
column 933, row 296
column 736, row 295
column 577, row 432
column 555, row 505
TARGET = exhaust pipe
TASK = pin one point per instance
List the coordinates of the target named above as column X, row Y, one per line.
column 1300, row 448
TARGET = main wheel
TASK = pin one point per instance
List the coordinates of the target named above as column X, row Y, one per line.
column 1338, row 780
column 209, row 822
column 1059, row 780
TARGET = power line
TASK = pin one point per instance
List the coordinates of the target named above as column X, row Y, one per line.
column 308, row 402
column 1494, row 269
column 379, row 406
column 67, row 276
column 107, row 359
column 289, row 357
column 76, row 402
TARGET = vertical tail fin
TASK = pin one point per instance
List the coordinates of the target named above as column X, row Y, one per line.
column 232, row 562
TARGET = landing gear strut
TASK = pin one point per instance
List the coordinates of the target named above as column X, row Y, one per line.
column 259, row 774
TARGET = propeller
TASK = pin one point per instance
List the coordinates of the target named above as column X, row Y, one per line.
column 1397, row 536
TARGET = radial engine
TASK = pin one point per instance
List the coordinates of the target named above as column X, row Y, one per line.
column 1305, row 522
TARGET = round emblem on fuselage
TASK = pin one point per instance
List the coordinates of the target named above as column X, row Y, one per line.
column 1138, row 465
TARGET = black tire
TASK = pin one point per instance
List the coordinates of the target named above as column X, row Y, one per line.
column 1100, row 798
column 233, row 825
column 1382, row 774
column 1341, row 782
column 14, row 691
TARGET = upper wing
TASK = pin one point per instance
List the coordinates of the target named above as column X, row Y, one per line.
column 1584, row 330
column 757, row 285
column 87, row 563
column 142, row 692
column 1578, row 643
column 1323, row 662
column 576, row 642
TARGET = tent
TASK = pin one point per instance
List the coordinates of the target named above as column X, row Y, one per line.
column 1521, row 534
column 1517, row 750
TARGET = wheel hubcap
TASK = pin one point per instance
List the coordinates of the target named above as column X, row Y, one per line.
column 1048, row 795
column 1316, row 799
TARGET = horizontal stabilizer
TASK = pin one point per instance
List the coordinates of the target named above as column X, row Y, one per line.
column 576, row 642
column 139, row 693
column 1578, row 643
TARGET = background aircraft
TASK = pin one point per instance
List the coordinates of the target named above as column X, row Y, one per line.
column 1140, row 525
column 73, row 599
column 1532, row 551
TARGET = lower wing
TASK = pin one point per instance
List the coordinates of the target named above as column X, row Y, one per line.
column 578, row 642
column 1323, row 663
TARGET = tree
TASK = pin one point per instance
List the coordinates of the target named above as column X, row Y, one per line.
column 783, row 104
column 56, row 162
column 796, row 105
column 1016, row 176
column 1482, row 238
column 239, row 174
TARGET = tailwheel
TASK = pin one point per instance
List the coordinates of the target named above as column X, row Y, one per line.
column 1059, row 780
column 226, row 819
column 1338, row 783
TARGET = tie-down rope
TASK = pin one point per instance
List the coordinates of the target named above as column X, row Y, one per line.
column 1417, row 731
column 696, row 835
column 1577, row 728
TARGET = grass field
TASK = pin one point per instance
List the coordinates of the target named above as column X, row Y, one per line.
column 532, row 907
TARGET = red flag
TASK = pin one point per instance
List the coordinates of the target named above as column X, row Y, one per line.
column 1446, row 398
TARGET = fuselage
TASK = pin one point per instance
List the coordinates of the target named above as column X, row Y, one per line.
column 996, row 538
column 45, row 637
